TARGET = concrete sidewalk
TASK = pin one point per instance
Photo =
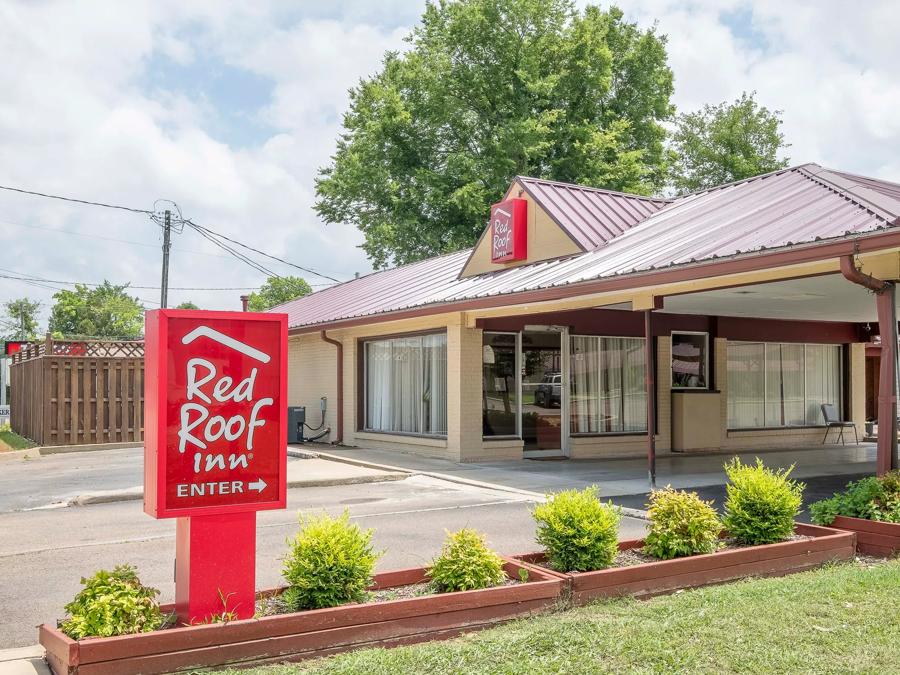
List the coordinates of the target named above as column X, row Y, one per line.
column 615, row 477
column 23, row 661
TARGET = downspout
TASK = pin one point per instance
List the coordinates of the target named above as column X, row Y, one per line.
column 339, row 434
column 885, row 304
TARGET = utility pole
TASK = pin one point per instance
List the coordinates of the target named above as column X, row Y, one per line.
column 167, row 244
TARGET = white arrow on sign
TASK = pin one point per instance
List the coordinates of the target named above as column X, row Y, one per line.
column 259, row 485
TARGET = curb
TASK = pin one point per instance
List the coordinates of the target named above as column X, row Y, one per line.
column 28, row 453
column 90, row 447
column 137, row 492
column 537, row 496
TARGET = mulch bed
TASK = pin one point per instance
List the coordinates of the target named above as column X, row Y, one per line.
column 273, row 605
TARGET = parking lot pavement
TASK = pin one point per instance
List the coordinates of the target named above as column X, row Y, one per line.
column 44, row 553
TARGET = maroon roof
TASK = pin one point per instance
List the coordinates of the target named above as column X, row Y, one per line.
column 591, row 216
column 801, row 205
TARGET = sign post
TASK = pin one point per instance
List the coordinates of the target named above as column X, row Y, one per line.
column 215, row 447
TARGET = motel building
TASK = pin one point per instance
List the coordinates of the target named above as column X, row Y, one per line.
column 587, row 323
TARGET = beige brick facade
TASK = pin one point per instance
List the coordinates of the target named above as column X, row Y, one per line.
column 312, row 365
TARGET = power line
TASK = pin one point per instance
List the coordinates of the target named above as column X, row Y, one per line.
column 74, row 200
column 113, row 239
column 202, row 229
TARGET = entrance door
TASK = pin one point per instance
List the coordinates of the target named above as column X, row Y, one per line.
column 545, row 393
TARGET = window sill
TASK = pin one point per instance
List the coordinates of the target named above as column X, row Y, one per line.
column 798, row 427
column 405, row 438
column 608, row 434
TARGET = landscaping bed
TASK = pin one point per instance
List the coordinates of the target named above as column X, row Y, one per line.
column 309, row 633
column 812, row 546
column 873, row 537
column 838, row 619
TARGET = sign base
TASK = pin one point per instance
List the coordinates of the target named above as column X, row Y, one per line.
column 215, row 567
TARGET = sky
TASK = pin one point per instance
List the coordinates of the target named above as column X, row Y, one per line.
column 229, row 109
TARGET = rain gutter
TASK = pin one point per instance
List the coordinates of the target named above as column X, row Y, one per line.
column 885, row 304
column 339, row 433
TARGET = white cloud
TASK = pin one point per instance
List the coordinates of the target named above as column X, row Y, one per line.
column 77, row 117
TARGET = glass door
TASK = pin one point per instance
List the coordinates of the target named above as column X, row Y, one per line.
column 545, row 393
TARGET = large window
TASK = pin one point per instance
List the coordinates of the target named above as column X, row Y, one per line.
column 774, row 384
column 406, row 384
column 608, row 393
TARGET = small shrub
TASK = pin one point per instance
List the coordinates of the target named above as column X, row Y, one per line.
column 578, row 532
column 680, row 524
column 868, row 498
column 330, row 563
column 762, row 504
column 466, row 563
column 113, row 603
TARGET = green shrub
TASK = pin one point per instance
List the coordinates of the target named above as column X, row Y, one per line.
column 761, row 504
column 330, row 563
column 869, row 498
column 578, row 532
column 680, row 524
column 466, row 563
column 113, row 603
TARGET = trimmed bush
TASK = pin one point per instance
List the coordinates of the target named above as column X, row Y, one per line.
column 466, row 563
column 578, row 532
column 762, row 504
column 681, row 524
column 870, row 498
column 113, row 603
column 330, row 563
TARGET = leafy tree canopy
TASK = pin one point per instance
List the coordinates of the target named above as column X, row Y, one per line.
column 104, row 311
column 278, row 290
column 20, row 319
column 187, row 305
column 726, row 142
column 488, row 90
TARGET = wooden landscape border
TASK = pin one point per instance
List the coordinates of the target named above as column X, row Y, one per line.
column 873, row 537
column 307, row 634
column 666, row 576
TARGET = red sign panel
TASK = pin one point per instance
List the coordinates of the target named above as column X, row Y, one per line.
column 215, row 433
column 509, row 231
column 14, row 346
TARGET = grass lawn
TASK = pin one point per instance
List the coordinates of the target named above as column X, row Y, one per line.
column 10, row 440
column 840, row 619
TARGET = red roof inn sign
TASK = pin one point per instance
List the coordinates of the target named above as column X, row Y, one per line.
column 215, row 448
column 509, row 229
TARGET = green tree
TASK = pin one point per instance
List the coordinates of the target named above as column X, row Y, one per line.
column 488, row 90
column 726, row 142
column 104, row 311
column 276, row 291
column 187, row 305
column 21, row 319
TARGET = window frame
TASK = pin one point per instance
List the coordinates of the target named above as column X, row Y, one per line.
column 518, row 366
column 595, row 434
column 707, row 374
column 842, row 380
column 363, row 381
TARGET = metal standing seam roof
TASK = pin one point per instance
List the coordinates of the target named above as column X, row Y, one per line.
column 591, row 216
column 803, row 204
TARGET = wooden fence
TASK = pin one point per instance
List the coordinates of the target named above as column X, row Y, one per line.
column 73, row 392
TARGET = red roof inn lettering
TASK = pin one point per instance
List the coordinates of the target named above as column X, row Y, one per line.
column 215, row 412
column 509, row 230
